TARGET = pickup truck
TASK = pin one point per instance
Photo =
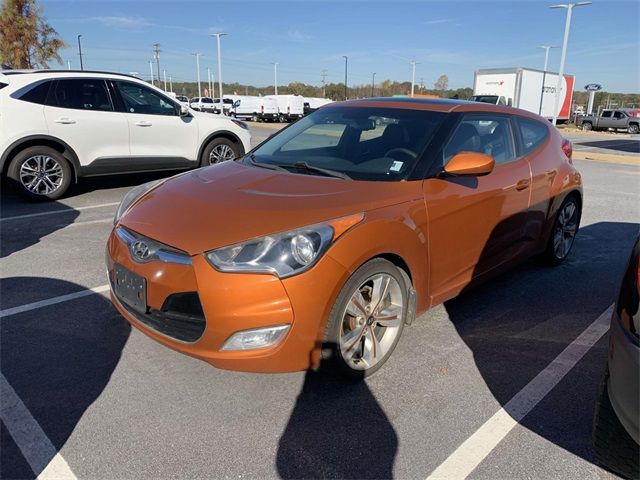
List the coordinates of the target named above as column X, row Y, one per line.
column 610, row 119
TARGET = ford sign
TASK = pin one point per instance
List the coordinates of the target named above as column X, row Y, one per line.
column 593, row 87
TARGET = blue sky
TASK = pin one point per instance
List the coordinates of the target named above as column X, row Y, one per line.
column 305, row 37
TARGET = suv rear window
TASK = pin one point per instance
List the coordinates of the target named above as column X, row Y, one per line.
column 38, row 94
column 532, row 133
column 82, row 94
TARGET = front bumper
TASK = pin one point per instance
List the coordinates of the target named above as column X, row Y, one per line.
column 624, row 372
column 231, row 302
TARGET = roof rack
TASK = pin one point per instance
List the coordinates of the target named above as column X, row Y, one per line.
column 20, row 72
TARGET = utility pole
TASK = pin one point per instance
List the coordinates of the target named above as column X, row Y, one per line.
column 198, row 55
column 156, row 54
column 544, row 71
column 323, row 74
column 373, row 83
column 346, row 62
column 563, row 56
column 413, row 75
column 275, row 76
column 164, row 72
column 151, row 70
column 80, row 52
column 218, row 35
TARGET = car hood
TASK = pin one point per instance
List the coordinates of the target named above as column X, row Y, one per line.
column 230, row 202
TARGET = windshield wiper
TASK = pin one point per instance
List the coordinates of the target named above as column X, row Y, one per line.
column 312, row 168
column 269, row 166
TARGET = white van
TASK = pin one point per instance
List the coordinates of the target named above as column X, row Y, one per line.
column 291, row 107
column 253, row 108
column 311, row 104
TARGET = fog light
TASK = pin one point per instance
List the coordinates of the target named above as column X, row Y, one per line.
column 257, row 338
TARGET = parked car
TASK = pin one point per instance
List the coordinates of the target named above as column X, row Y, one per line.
column 253, row 108
column 610, row 120
column 183, row 100
column 616, row 432
column 202, row 104
column 331, row 236
column 227, row 106
column 291, row 107
column 58, row 126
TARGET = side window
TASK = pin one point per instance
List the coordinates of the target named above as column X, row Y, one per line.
column 532, row 134
column 322, row 135
column 607, row 114
column 618, row 115
column 140, row 99
column 483, row 134
column 37, row 94
column 82, row 94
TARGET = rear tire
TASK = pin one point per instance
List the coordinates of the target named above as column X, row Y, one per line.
column 219, row 150
column 564, row 230
column 587, row 126
column 633, row 129
column 366, row 321
column 40, row 174
column 613, row 446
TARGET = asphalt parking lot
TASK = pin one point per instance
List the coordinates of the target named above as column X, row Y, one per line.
column 479, row 386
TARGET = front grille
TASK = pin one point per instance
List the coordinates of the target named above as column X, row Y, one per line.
column 181, row 317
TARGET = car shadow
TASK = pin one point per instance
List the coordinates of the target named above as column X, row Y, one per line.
column 58, row 359
column 629, row 145
column 337, row 429
column 519, row 322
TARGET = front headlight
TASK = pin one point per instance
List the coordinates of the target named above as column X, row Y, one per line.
column 132, row 196
column 282, row 254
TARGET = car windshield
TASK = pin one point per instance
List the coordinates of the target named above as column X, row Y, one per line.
column 362, row 143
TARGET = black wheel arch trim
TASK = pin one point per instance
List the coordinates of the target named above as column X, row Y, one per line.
column 68, row 153
column 221, row 133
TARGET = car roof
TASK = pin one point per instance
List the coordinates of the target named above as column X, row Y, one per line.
column 433, row 104
column 87, row 73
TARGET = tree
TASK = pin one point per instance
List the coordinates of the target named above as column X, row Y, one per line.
column 26, row 39
column 442, row 83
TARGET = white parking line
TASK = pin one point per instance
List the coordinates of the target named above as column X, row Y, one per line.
column 37, row 449
column 52, row 301
column 53, row 212
column 480, row 444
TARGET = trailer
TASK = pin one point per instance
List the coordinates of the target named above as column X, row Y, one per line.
column 525, row 88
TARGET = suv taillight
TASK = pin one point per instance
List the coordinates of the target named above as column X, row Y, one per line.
column 567, row 148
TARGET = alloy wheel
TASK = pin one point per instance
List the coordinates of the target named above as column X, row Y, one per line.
column 371, row 322
column 41, row 174
column 565, row 229
column 221, row 153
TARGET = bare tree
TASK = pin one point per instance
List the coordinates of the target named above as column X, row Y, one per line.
column 442, row 83
column 26, row 39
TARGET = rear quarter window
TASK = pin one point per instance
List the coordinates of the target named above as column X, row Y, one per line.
column 38, row 94
column 532, row 133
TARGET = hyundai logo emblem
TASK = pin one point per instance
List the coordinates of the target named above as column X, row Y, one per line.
column 140, row 251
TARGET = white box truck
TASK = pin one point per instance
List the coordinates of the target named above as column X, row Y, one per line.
column 525, row 88
column 291, row 107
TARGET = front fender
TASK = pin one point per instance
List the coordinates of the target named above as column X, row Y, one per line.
column 398, row 230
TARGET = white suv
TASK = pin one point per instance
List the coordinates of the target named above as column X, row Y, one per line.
column 57, row 126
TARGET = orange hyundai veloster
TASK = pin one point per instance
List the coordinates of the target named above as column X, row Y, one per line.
column 327, row 239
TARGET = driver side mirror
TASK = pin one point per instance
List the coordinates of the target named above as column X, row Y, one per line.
column 236, row 104
column 470, row 163
column 184, row 111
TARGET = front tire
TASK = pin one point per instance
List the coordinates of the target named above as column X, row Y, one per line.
column 587, row 126
column 219, row 150
column 563, row 233
column 40, row 173
column 367, row 320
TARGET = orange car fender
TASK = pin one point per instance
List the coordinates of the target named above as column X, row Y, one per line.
column 400, row 232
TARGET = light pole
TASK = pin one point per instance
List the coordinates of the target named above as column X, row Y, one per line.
column 544, row 71
column 151, row 70
column 563, row 55
column 170, row 84
column 209, row 79
column 218, row 35
column 346, row 63
column 68, row 64
column 373, row 83
column 198, row 70
column 413, row 75
column 275, row 76
column 164, row 72
column 80, row 52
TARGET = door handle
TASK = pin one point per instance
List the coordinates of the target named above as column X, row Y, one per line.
column 142, row 123
column 65, row 121
column 523, row 184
